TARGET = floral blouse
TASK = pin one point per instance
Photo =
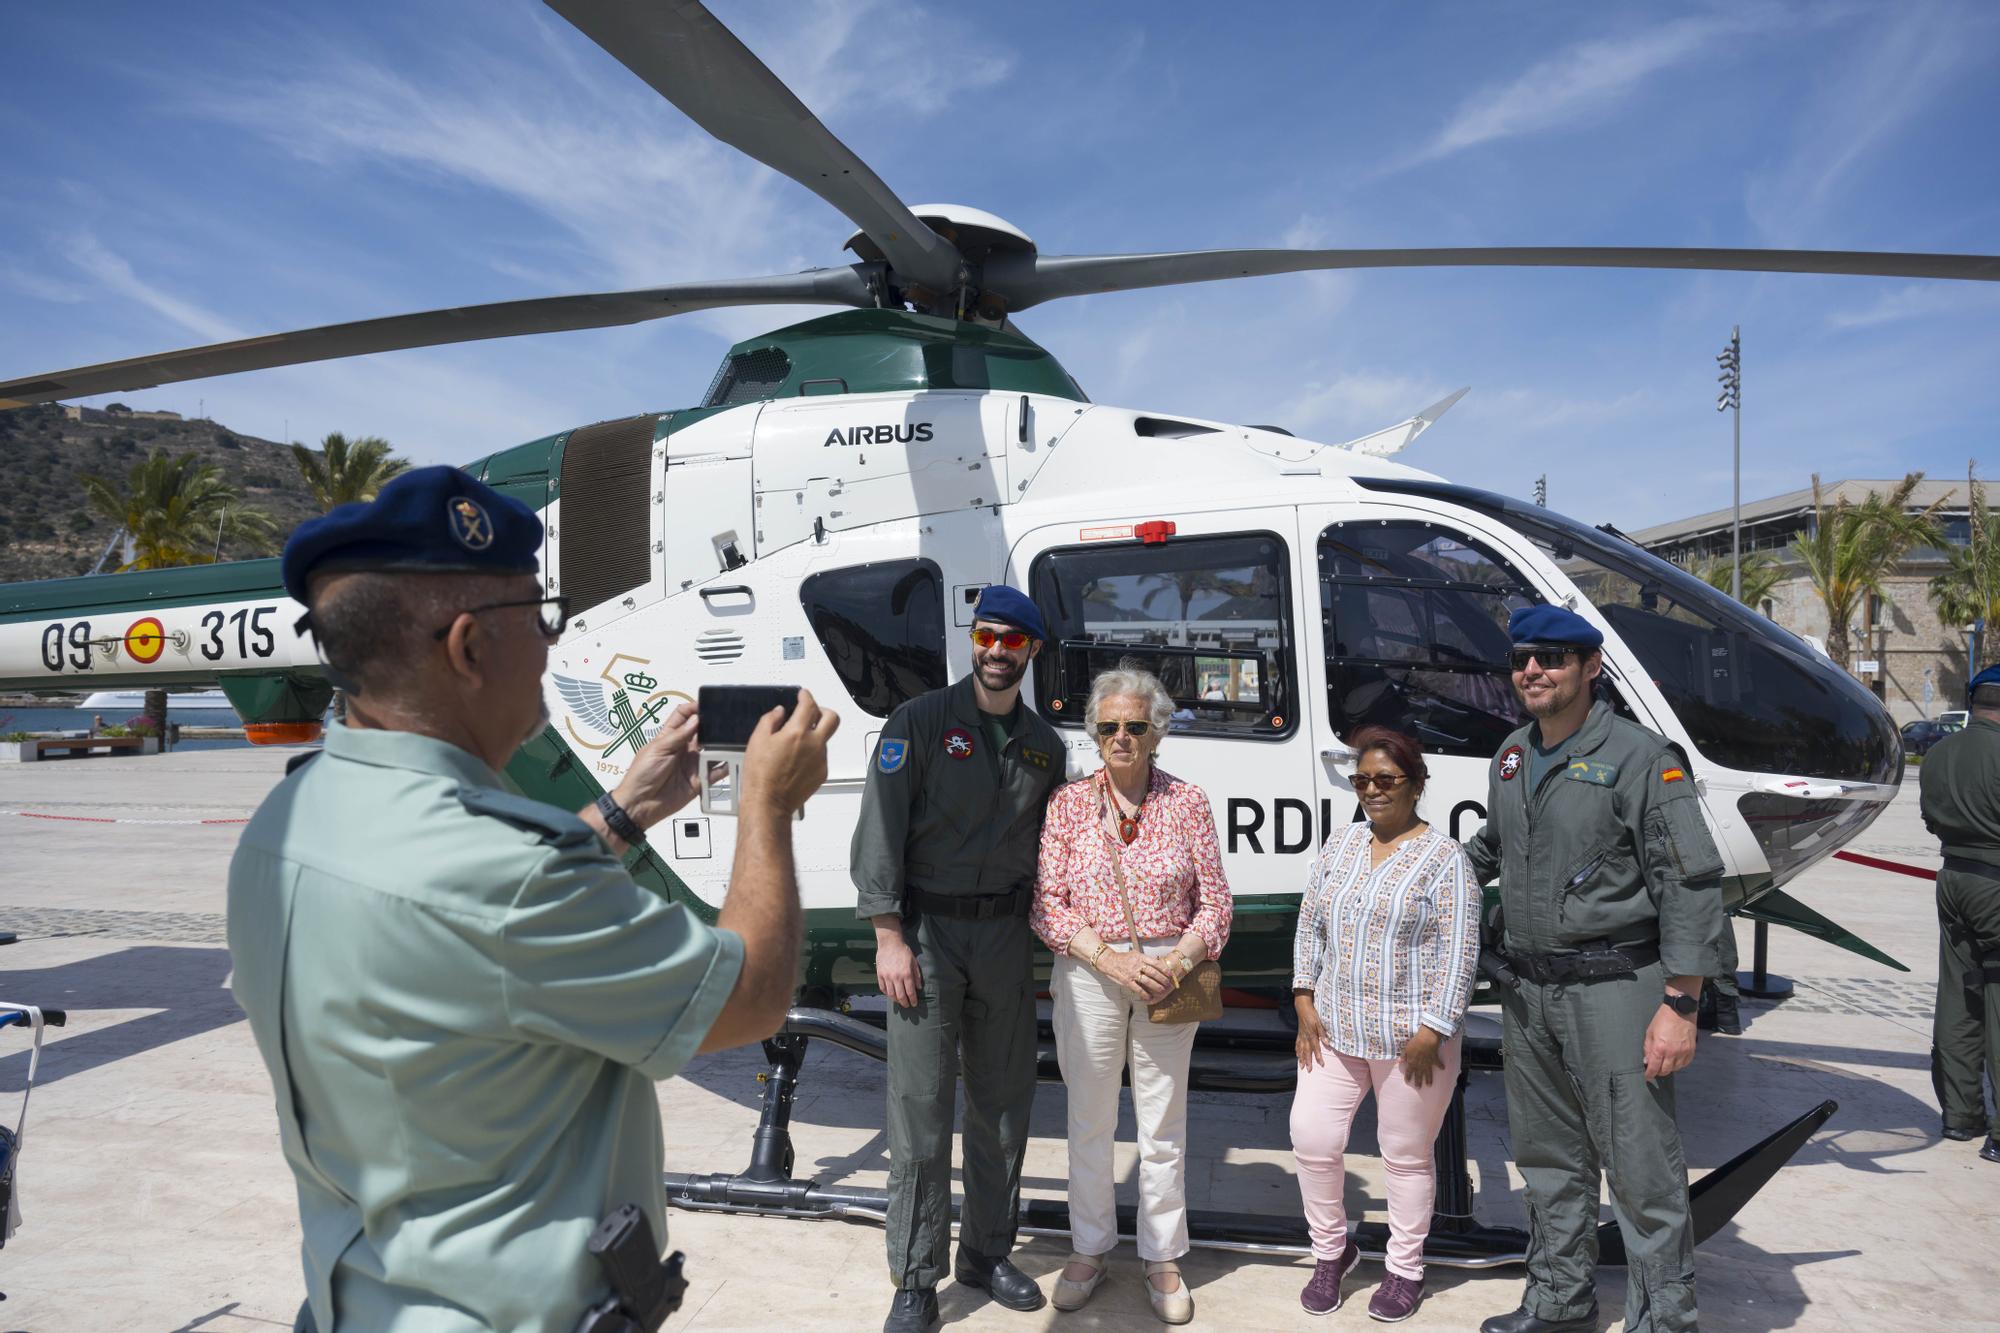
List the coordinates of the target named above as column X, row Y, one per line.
column 1385, row 949
column 1173, row 870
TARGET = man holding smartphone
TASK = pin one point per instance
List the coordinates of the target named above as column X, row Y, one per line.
column 944, row 858
column 460, row 995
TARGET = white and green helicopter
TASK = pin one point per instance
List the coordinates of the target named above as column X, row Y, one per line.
column 828, row 512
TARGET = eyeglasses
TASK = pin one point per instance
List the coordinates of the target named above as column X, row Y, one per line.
column 1013, row 640
column 1379, row 781
column 1552, row 659
column 1106, row 730
column 552, row 617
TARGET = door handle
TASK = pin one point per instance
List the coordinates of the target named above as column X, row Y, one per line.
column 1338, row 754
column 728, row 590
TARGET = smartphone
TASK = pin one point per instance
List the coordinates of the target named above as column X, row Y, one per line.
column 729, row 713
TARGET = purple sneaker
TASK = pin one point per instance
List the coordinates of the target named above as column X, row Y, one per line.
column 1322, row 1294
column 1397, row 1298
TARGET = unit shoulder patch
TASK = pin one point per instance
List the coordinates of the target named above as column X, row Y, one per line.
column 1510, row 763
column 1591, row 771
column 1673, row 773
column 891, row 755
column 557, row 827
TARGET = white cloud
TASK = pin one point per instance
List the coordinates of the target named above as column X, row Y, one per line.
column 1586, row 77
column 116, row 275
column 1896, row 70
column 1917, row 300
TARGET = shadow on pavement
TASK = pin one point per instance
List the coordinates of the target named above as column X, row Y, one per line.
column 183, row 986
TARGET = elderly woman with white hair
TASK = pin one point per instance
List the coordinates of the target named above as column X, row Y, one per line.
column 1128, row 851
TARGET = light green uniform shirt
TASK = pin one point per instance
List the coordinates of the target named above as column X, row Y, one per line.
column 463, row 1000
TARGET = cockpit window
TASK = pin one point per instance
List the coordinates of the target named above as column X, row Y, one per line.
column 1751, row 695
column 1415, row 619
column 1210, row 616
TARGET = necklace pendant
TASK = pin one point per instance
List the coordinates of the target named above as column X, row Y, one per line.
column 1128, row 829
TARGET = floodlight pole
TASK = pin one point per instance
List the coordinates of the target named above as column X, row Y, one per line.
column 1731, row 361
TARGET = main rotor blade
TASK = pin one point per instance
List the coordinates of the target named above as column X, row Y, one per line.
column 689, row 58
column 1026, row 280
column 502, row 319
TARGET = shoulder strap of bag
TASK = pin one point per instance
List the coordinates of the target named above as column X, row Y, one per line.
column 1117, row 868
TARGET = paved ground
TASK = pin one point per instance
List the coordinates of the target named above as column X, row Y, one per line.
column 155, row 1198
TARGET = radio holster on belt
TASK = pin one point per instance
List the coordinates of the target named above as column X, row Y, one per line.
column 1493, row 964
column 645, row 1289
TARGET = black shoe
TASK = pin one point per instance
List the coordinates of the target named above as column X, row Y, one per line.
column 999, row 1279
column 915, row 1311
column 1525, row 1320
column 1959, row 1135
column 1991, row 1152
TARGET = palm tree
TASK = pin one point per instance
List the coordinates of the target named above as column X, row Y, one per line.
column 1969, row 588
column 1851, row 548
column 177, row 511
column 345, row 470
column 1762, row 572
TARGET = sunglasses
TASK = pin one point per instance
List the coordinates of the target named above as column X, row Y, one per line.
column 1552, row 659
column 1379, row 781
column 551, row 616
column 1106, row 730
column 1013, row 640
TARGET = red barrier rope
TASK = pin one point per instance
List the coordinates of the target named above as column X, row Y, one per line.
column 100, row 819
column 1877, row 863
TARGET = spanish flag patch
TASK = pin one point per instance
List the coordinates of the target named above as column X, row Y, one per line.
column 1672, row 775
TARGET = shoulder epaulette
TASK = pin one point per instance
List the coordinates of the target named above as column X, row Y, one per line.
column 558, row 828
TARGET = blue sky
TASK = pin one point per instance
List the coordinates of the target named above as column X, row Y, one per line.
column 184, row 173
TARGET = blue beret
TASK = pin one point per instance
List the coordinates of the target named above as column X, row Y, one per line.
column 1553, row 625
column 1009, row 606
column 1990, row 676
column 435, row 520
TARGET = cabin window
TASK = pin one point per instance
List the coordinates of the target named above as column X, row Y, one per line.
column 882, row 626
column 1415, row 621
column 1210, row 616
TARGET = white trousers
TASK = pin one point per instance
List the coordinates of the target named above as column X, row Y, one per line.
column 1100, row 1029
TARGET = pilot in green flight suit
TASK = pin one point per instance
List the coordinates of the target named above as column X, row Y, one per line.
column 460, row 995
column 1612, row 917
column 1961, row 806
column 944, row 859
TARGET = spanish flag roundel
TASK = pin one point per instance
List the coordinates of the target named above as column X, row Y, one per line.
column 146, row 639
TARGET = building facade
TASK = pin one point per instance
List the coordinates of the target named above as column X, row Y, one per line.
column 1915, row 664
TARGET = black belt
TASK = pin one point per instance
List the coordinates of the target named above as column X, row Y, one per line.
column 1965, row 865
column 977, row 906
column 1590, row 961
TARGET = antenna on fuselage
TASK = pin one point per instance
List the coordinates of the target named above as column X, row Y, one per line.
column 1399, row 436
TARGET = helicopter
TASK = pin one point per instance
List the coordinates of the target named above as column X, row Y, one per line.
column 828, row 512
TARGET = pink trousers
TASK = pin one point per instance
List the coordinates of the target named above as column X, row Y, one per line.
column 1407, row 1120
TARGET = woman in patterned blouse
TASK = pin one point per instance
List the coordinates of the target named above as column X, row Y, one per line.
column 1128, row 818
column 1382, row 972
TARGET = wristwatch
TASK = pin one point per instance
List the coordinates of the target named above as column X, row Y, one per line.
column 619, row 821
column 1684, row 1005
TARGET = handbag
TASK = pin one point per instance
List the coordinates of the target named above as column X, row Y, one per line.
column 1198, row 997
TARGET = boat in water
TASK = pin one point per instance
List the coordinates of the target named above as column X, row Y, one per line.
column 183, row 701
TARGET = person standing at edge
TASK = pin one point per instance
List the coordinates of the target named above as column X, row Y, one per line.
column 1960, row 788
column 1611, row 917
column 460, row 995
column 944, row 859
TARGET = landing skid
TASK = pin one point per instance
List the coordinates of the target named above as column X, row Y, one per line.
column 1226, row 1060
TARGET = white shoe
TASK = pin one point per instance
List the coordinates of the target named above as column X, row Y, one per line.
column 1072, row 1295
column 1172, row 1307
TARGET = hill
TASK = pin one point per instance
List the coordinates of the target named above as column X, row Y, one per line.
column 47, row 531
